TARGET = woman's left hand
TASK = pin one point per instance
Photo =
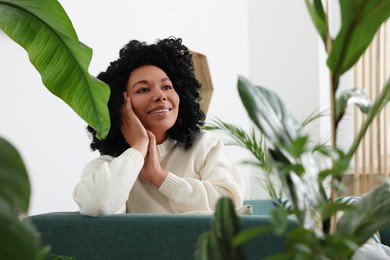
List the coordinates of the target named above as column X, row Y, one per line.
column 152, row 171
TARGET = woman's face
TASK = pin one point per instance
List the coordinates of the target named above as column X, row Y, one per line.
column 153, row 98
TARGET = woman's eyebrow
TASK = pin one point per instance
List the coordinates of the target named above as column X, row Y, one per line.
column 165, row 79
column 144, row 81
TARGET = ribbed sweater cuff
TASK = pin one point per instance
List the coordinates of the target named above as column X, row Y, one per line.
column 134, row 155
column 171, row 185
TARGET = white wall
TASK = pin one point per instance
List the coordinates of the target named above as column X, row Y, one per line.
column 52, row 139
column 284, row 56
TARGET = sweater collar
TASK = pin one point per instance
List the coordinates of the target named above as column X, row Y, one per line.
column 165, row 147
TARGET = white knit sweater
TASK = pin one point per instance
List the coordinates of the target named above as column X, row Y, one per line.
column 197, row 178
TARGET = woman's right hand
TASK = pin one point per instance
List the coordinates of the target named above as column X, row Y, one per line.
column 132, row 129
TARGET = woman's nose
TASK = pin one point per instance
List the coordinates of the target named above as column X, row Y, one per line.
column 160, row 96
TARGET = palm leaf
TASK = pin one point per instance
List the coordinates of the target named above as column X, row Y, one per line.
column 44, row 30
column 250, row 141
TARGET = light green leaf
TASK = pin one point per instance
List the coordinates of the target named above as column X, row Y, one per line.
column 350, row 97
column 316, row 11
column 360, row 21
column 372, row 213
column 44, row 30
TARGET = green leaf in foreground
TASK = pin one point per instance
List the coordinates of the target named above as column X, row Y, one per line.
column 17, row 239
column 372, row 213
column 14, row 182
column 44, row 30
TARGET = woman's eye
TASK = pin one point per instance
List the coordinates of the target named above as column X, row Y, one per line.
column 167, row 87
column 142, row 90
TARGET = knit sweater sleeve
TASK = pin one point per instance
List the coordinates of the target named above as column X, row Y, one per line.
column 106, row 183
column 218, row 176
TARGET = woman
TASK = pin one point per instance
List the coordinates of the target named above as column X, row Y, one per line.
column 156, row 158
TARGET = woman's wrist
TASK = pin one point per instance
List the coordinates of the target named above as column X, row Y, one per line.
column 141, row 147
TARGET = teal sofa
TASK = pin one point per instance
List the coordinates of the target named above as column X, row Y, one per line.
column 146, row 236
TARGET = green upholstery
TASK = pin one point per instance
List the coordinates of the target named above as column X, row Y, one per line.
column 147, row 236
column 142, row 236
column 385, row 236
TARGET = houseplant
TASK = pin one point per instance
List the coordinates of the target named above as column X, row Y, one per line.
column 44, row 30
column 318, row 234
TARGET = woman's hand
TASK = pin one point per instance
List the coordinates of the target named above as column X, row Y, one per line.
column 152, row 171
column 132, row 129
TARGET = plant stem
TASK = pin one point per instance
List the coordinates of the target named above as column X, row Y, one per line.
column 333, row 87
column 333, row 125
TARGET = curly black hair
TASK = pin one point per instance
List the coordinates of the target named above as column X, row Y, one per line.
column 175, row 60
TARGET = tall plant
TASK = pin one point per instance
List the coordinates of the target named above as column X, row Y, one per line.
column 317, row 235
column 44, row 30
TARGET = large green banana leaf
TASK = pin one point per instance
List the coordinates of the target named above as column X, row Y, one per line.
column 18, row 239
column 44, row 30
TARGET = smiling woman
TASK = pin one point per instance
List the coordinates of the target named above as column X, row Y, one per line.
column 156, row 158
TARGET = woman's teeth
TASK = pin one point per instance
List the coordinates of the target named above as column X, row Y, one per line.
column 159, row 111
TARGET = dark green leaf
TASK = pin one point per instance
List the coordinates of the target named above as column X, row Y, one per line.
column 225, row 223
column 372, row 214
column 17, row 239
column 279, row 220
column 302, row 243
column 208, row 247
column 327, row 209
column 316, row 11
column 44, row 30
column 14, row 182
column 338, row 246
column 360, row 20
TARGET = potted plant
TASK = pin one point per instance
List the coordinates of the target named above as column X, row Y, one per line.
column 44, row 30
column 318, row 234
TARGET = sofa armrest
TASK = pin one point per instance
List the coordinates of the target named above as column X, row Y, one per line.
column 139, row 236
column 385, row 236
